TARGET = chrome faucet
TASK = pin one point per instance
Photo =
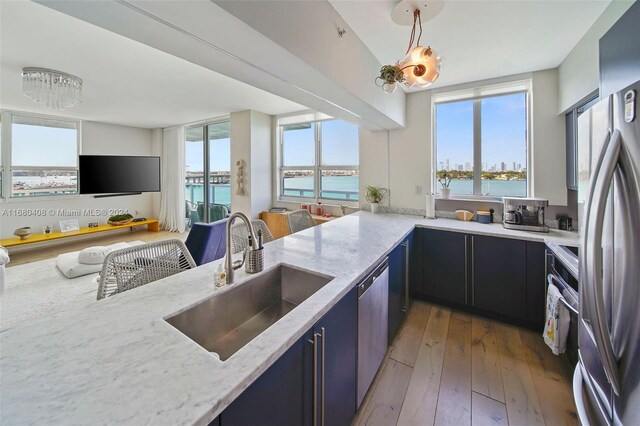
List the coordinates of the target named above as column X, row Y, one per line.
column 229, row 264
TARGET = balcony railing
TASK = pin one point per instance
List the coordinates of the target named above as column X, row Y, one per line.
column 325, row 194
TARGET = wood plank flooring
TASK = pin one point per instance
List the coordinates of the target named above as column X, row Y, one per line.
column 447, row 367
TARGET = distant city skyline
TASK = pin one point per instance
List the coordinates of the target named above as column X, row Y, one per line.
column 503, row 166
column 503, row 134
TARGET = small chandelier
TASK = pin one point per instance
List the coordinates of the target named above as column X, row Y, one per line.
column 419, row 68
column 53, row 89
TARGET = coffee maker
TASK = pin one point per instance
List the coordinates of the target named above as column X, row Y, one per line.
column 526, row 214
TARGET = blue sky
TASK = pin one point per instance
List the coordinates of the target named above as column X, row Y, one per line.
column 43, row 146
column 503, row 131
column 339, row 147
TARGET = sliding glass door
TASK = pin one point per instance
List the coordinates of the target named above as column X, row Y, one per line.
column 208, row 172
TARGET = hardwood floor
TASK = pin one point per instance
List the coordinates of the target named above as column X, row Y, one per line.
column 447, row 367
column 40, row 253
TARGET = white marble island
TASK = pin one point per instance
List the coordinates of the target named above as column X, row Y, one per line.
column 118, row 361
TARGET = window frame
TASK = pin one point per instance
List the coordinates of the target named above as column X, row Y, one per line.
column 8, row 167
column 206, row 155
column 476, row 95
column 317, row 168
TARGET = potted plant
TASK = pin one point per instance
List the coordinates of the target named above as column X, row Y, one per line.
column 375, row 194
column 445, row 180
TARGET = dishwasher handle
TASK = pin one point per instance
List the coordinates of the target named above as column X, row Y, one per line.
column 372, row 277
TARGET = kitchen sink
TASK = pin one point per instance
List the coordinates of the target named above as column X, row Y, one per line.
column 226, row 322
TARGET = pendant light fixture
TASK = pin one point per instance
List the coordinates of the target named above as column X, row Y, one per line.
column 420, row 66
column 53, row 89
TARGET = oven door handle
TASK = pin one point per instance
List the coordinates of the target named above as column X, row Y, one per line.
column 552, row 279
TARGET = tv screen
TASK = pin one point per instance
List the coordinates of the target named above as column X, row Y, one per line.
column 109, row 174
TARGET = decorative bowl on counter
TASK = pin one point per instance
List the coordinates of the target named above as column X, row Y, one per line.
column 23, row 233
column 465, row 215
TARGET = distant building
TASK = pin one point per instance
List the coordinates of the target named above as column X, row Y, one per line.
column 503, row 166
column 446, row 164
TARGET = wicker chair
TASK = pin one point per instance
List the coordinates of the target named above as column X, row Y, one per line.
column 300, row 220
column 240, row 234
column 139, row 265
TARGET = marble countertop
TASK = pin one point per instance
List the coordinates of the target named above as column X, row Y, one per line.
column 119, row 362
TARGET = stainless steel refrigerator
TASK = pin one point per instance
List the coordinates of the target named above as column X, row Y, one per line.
column 606, row 383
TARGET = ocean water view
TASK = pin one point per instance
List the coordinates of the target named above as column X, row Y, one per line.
column 333, row 187
column 493, row 187
column 218, row 194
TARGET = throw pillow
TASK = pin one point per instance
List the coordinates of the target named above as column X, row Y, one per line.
column 93, row 255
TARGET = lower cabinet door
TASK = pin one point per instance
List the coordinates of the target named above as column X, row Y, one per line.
column 338, row 389
column 397, row 276
column 283, row 395
column 499, row 275
column 444, row 266
column 536, row 283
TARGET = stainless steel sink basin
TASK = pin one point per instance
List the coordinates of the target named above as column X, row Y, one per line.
column 226, row 322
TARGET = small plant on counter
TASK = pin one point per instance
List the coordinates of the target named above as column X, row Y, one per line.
column 374, row 195
column 444, row 177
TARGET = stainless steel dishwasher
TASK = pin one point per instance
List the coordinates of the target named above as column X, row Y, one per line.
column 373, row 317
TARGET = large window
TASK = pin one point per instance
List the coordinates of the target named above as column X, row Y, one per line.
column 212, row 159
column 481, row 144
column 319, row 160
column 44, row 156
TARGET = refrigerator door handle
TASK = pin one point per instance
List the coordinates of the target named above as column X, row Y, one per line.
column 586, row 299
column 593, row 258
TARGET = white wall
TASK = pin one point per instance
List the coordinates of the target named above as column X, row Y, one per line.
column 404, row 159
column 251, row 142
column 261, row 166
column 549, row 140
column 579, row 72
column 97, row 138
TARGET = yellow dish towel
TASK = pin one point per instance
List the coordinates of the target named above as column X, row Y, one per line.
column 556, row 326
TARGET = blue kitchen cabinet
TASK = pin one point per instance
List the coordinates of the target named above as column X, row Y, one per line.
column 620, row 53
column 499, row 276
column 536, row 283
column 339, row 327
column 397, row 287
column 284, row 394
column 444, row 266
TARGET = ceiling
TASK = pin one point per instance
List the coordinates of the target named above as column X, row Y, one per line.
column 479, row 39
column 125, row 82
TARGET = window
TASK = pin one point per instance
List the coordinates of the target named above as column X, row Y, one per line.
column 212, row 159
column 1, row 162
column 481, row 143
column 319, row 160
column 44, row 156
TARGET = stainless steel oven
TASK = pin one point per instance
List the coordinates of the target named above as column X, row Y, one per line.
column 561, row 275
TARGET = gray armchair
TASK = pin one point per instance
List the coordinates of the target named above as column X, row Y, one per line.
column 139, row 265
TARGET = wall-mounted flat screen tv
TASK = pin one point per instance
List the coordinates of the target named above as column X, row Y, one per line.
column 110, row 174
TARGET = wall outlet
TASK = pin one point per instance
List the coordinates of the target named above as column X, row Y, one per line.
column 418, row 189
